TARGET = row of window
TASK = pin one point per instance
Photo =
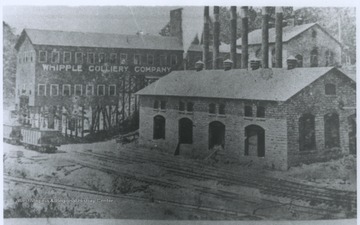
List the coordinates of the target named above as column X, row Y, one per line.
column 160, row 105
column 314, row 55
column 94, row 58
column 189, row 107
column 77, row 89
column 26, row 57
column 255, row 135
column 254, row 141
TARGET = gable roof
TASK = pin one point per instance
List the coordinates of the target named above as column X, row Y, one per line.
column 104, row 40
column 289, row 32
column 263, row 84
column 100, row 40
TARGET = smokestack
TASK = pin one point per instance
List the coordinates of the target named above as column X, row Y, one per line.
column 233, row 27
column 176, row 24
column 216, row 41
column 206, row 37
column 244, row 37
column 265, row 37
column 278, row 37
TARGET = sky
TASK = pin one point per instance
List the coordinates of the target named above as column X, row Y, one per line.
column 99, row 19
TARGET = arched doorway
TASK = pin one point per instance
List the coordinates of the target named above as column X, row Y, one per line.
column 352, row 134
column 185, row 131
column 216, row 134
column 255, row 141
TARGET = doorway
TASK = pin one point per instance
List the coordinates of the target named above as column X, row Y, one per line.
column 185, row 131
column 255, row 141
column 216, row 134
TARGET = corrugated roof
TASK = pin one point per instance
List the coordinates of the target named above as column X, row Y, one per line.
column 101, row 40
column 289, row 32
column 263, row 84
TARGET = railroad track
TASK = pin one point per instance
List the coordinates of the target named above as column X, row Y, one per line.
column 192, row 207
column 269, row 186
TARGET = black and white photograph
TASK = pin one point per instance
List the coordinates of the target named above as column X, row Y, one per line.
column 179, row 114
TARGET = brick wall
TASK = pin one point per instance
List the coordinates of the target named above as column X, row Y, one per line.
column 86, row 77
column 234, row 120
column 313, row 100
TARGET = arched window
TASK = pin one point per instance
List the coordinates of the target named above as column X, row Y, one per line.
column 255, row 141
column 314, row 58
column 330, row 89
column 332, row 133
column 299, row 59
column 156, row 104
column 159, row 127
column 329, row 58
column 185, row 131
column 212, row 108
column 307, row 132
column 222, row 109
column 260, row 112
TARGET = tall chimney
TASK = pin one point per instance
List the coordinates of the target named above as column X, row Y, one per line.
column 216, row 41
column 265, row 37
column 244, row 37
column 206, row 36
column 176, row 24
column 233, row 27
column 278, row 37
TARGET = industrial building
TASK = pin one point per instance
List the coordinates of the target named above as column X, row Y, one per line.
column 80, row 83
column 272, row 117
column 310, row 44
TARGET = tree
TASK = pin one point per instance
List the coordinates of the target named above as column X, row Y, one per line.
column 9, row 64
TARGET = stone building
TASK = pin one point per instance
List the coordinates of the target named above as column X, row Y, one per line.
column 271, row 117
column 309, row 43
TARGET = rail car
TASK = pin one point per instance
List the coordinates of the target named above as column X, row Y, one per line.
column 12, row 134
column 40, row 140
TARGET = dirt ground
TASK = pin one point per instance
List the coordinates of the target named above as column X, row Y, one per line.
column 148, row 201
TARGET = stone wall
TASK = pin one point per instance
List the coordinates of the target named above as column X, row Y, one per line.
column 313, row 100
column 234, row 120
